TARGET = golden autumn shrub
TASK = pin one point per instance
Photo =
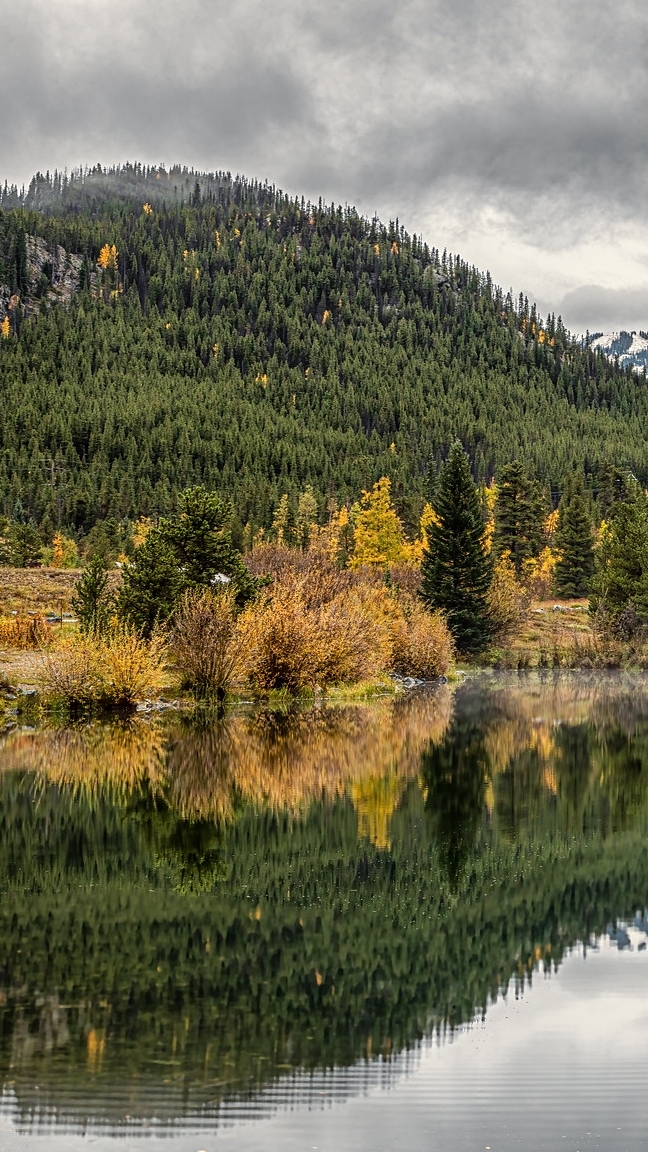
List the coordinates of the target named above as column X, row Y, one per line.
column 423, row 644
column 24, row 632
column 289, row 640
column 205, row 640
column 279, row 642
column 354, row 637
column 114, row 669
column 130, row 665
column 319, row 624
column 71, row 672
column 508, row 600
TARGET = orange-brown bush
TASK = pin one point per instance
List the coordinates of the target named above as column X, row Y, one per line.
column 320, row 628
column 423, row 644
column 24, row 632
column 320, row 575
column 205, row 641
column 291, row 643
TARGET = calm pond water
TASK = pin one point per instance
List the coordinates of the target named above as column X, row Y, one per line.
column 414, row 924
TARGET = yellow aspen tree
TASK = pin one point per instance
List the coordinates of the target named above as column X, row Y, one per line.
column 489, row 499
column 108, row 257
column 550, row 525
column 306, row 526
column 378, row 532
column 428, row 518
column 339, row 535
column 280, row 520
column 64, row 552
column 141, row 529
column 5, row 328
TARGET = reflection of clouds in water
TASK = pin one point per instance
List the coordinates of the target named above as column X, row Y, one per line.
column 557, row 1068
column 566, row 1059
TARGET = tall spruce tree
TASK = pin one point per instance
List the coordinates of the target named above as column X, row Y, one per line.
column 574, row 540
column 519, row 515
column 456, row 573
column 620, row 582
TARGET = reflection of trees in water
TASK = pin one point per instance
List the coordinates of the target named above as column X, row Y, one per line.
column 568, row 754
column 146, row 933
column 202, row 769
column 453, row 777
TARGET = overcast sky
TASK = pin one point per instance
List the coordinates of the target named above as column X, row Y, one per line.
column 515, row 134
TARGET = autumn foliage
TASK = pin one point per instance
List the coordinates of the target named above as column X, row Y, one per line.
column 114, row 669
column 317, row 625
column 206, row 640
column 25, row 632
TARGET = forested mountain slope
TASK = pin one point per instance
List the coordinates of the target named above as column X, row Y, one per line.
column 221, row 332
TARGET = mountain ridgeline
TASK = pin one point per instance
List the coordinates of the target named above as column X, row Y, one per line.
column 162, row 329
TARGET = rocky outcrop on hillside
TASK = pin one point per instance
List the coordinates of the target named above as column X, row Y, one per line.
column 54, row 276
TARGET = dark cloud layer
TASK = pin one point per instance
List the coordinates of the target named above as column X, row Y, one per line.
column 532, row 112
column 607, row 309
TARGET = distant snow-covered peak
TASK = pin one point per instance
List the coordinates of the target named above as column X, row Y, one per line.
column 630, row 347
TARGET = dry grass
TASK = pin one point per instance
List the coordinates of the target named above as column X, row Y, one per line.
column 24, row 632
column 41, row 589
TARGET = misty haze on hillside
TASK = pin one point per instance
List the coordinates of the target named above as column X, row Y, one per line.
column 515, row 137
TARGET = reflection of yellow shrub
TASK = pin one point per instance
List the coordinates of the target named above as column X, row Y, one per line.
column 114, row 669
column 25, row 632
column 423, row 645
column 275, row 760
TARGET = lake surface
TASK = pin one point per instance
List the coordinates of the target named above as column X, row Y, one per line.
column 418, row 923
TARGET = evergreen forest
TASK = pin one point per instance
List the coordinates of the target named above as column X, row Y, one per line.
column 163, row 329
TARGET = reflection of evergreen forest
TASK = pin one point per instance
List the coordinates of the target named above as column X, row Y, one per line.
column 208, row 906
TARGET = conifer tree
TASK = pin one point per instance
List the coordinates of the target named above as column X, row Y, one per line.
column 455, row 571
column 620, row 581
column 518, row 515
column 92, row 600
column 152, row 585
column 574, row 540
column 190, row 550
column 25, row 544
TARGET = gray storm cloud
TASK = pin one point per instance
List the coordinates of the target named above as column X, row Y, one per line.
column 535, row 111
column 607, row 309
